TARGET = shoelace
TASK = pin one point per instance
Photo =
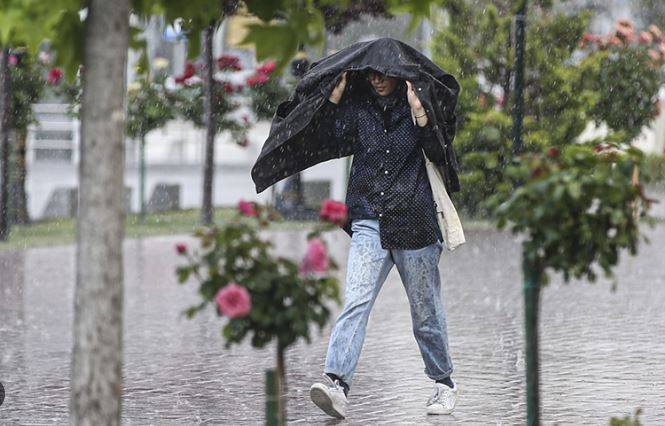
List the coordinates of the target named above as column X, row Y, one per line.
column 333, row 384
column 435, row 397
column 437, row 394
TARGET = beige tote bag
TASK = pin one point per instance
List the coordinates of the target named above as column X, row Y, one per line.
column 446, row 215
column 449, row 222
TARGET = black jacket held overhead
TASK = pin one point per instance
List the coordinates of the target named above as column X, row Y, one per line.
column 292, row 145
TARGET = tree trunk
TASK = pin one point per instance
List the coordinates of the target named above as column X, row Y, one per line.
column 142, row 180
column 19, row 198
column 532, row 281
column 96, row 384
column 207, row 210
column 5, row 126
column 281, row 383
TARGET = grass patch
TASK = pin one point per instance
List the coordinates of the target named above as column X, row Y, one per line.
column 63, row 232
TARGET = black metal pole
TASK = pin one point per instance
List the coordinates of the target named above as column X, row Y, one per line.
column 532, row 273
column 518, row 109
column 272, row 398
column 532, row 279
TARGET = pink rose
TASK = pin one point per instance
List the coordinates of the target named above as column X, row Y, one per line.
column 190, row 71
column 267, row 68
column 645, row 38
column 257, row 80
column 13, row 60
column 334, row 212
column 229, row 62
column 181, row 248
column 655, row 32
column 247, row 208
column 654, row 55
column 233, row 301
column 316, row 258
column 54, row 76
column 615, row 41
column 590, row 38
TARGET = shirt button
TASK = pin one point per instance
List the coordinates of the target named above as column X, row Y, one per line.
column 385, row 130
column 387, row 151
column 381, row 192
column 386, row 172
column 380, row 214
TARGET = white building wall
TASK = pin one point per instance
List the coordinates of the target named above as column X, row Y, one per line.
column 174, row 155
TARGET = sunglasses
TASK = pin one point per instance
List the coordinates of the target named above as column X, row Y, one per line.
column 376, row 76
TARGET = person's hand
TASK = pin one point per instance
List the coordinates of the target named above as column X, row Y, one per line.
column 416, row 106
column 338, row 91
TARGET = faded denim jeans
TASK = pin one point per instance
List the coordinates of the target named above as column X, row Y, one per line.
column 367, row 269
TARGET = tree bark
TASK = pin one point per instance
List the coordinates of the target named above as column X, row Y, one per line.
column 281, row 383
column 142, row 180
column 96, row 384
column 5, row 126
column 207, row 211
column 19, row 197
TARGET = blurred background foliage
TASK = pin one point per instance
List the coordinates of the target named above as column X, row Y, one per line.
column 567, row 84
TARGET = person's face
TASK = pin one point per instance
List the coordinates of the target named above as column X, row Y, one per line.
column 383, row 84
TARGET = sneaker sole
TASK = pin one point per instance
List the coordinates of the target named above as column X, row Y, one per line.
column 323, row 401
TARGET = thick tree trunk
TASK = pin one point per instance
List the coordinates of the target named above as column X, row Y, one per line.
column 96, row 384
column 19, row 175
column 5, row 126
column 207, row 210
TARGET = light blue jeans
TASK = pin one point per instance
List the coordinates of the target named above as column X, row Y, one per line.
column 367, row 269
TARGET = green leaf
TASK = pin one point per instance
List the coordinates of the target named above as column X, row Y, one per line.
column 278, row 41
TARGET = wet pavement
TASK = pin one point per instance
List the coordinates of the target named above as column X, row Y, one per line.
column 603, row 352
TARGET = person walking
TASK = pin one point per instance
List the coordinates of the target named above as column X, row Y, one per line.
column 392, row 222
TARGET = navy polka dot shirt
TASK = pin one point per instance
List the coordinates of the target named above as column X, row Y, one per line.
column 388, row 179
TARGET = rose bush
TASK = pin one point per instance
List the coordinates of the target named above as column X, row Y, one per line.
column 266, row 91
column 228, row 102
column 578, row 207
column 263, row 295
column 624, row 72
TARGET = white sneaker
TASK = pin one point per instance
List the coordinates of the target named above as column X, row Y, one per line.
column 444, row 399
column 329, row 397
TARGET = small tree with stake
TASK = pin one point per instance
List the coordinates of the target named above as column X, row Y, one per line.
column 149, row 107
column 267, row 296
column 29, row 78
column 576, row 208
column 187, row 101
